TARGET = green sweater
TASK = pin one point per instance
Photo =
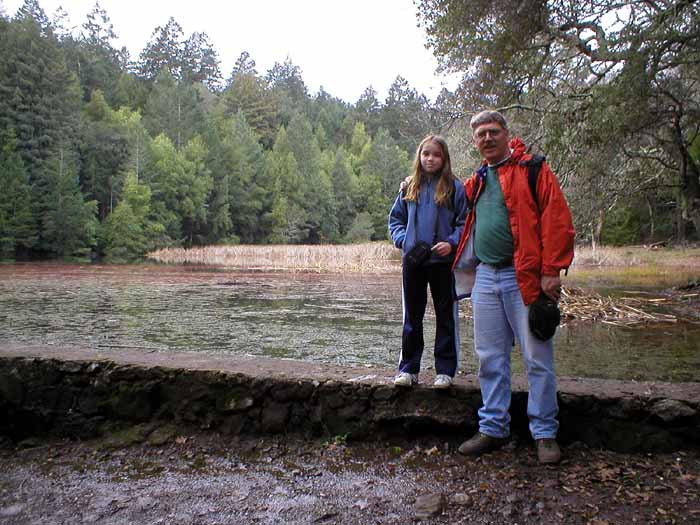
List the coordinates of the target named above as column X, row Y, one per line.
column 493, row 241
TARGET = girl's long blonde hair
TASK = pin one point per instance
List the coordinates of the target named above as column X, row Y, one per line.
column 445, row 186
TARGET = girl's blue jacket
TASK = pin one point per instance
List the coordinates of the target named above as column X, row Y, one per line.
column 410, row 222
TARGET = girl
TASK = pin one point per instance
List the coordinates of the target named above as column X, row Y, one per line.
column 431, row 209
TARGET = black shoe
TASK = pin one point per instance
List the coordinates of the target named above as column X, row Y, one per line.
column 481, row 443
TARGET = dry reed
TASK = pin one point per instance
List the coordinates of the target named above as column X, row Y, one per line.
column 373, row 257
column 629, row 311
column 626, row 256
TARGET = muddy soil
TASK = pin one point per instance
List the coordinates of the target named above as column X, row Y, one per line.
column 206, row 478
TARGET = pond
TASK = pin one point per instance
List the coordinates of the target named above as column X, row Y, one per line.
column 339, row 319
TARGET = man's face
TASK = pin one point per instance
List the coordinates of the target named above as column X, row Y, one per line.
column 491, row 140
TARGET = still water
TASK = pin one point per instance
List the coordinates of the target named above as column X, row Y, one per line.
column 344, row 320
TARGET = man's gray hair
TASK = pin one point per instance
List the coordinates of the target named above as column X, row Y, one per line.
column 487, row 116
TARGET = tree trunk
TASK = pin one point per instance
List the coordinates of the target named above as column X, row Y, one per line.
column 598, row 229
column 680, row 219
column 689, row 174
column 650, row 208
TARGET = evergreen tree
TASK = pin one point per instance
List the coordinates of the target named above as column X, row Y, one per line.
column 18, row 225
column 92, row 57
column 315, row 184
column 284, row 216
column 127, row 233
column 247, row 93
column 68, row 222
column 383, row 166
column 174, row 109
column 288, row 88
column 104, row 154
column 200, row 62
column 244, row 163
column 180, row 185
column 39, row 98
column 344, row 189
column 163, row 52
column 406, row 115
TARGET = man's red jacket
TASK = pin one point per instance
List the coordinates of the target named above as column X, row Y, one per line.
column 543, row 232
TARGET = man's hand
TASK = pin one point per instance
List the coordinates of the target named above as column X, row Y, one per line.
column 442, row 248
column 551, row 286
column 404, row 183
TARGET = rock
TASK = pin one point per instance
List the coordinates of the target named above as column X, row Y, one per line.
column 429, row 505
column 508, row 511
column 465, row 500
column 238, row 405
column 145, row 502
column 274, row 417
column 12, row 510
column 361, row 504
column 161, row 435
column 669, row 410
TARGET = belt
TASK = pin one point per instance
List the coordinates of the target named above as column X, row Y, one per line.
column 506, row 263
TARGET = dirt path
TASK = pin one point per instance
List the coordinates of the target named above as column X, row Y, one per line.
column 208, row 479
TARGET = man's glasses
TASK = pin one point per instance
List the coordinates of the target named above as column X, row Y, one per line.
column 483, row 134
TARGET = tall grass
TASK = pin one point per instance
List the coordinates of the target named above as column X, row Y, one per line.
column 371, row 257
column 635, row 266
column 636, row 255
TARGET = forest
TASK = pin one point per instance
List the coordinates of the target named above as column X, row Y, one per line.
column 112, row 156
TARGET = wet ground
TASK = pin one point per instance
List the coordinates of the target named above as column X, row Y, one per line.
column 209, row 479
column 342, row 320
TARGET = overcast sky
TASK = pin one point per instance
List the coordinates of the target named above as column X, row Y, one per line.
column 342, row 46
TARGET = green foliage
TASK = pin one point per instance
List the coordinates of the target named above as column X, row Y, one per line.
column 617, row 82
column 175, row 109
column 383, row 165
column 39, row 97
column 622, row 226
column 159, row 155
column 18, row 227
column 127, row 233
column 362, row 228
column 68, row 222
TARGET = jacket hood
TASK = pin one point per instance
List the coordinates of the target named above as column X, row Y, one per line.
column 517, row 147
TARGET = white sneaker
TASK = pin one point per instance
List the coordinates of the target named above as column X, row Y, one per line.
column 406, row 379
column 442, row 381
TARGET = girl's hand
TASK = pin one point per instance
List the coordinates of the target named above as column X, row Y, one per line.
column 442, row 248
column 404, row 183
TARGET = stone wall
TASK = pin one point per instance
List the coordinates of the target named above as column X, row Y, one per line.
column 81, row 393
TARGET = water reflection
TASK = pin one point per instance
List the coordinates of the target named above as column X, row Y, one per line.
column 345, row 320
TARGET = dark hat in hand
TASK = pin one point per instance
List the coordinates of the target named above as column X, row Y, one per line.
column 544, row 317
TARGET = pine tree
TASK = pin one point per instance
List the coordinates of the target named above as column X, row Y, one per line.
column 175, row 109
column 125, row 233
column 200, row 62
column 344, row 188
column 68, row 222
column 383, row 166
column 92, row 57
column 39, row 98
column 163, row 52
column 18, row 227
column 105, row 154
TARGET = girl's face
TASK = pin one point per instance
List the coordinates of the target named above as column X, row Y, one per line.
column 431, row 158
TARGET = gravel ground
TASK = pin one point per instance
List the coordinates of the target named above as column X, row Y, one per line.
column 206, row 478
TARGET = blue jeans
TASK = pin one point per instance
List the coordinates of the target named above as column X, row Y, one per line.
column 500, row 318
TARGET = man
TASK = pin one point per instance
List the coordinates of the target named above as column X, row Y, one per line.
column 522, row 243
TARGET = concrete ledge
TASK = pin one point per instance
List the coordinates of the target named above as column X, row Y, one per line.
column 80, row 392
